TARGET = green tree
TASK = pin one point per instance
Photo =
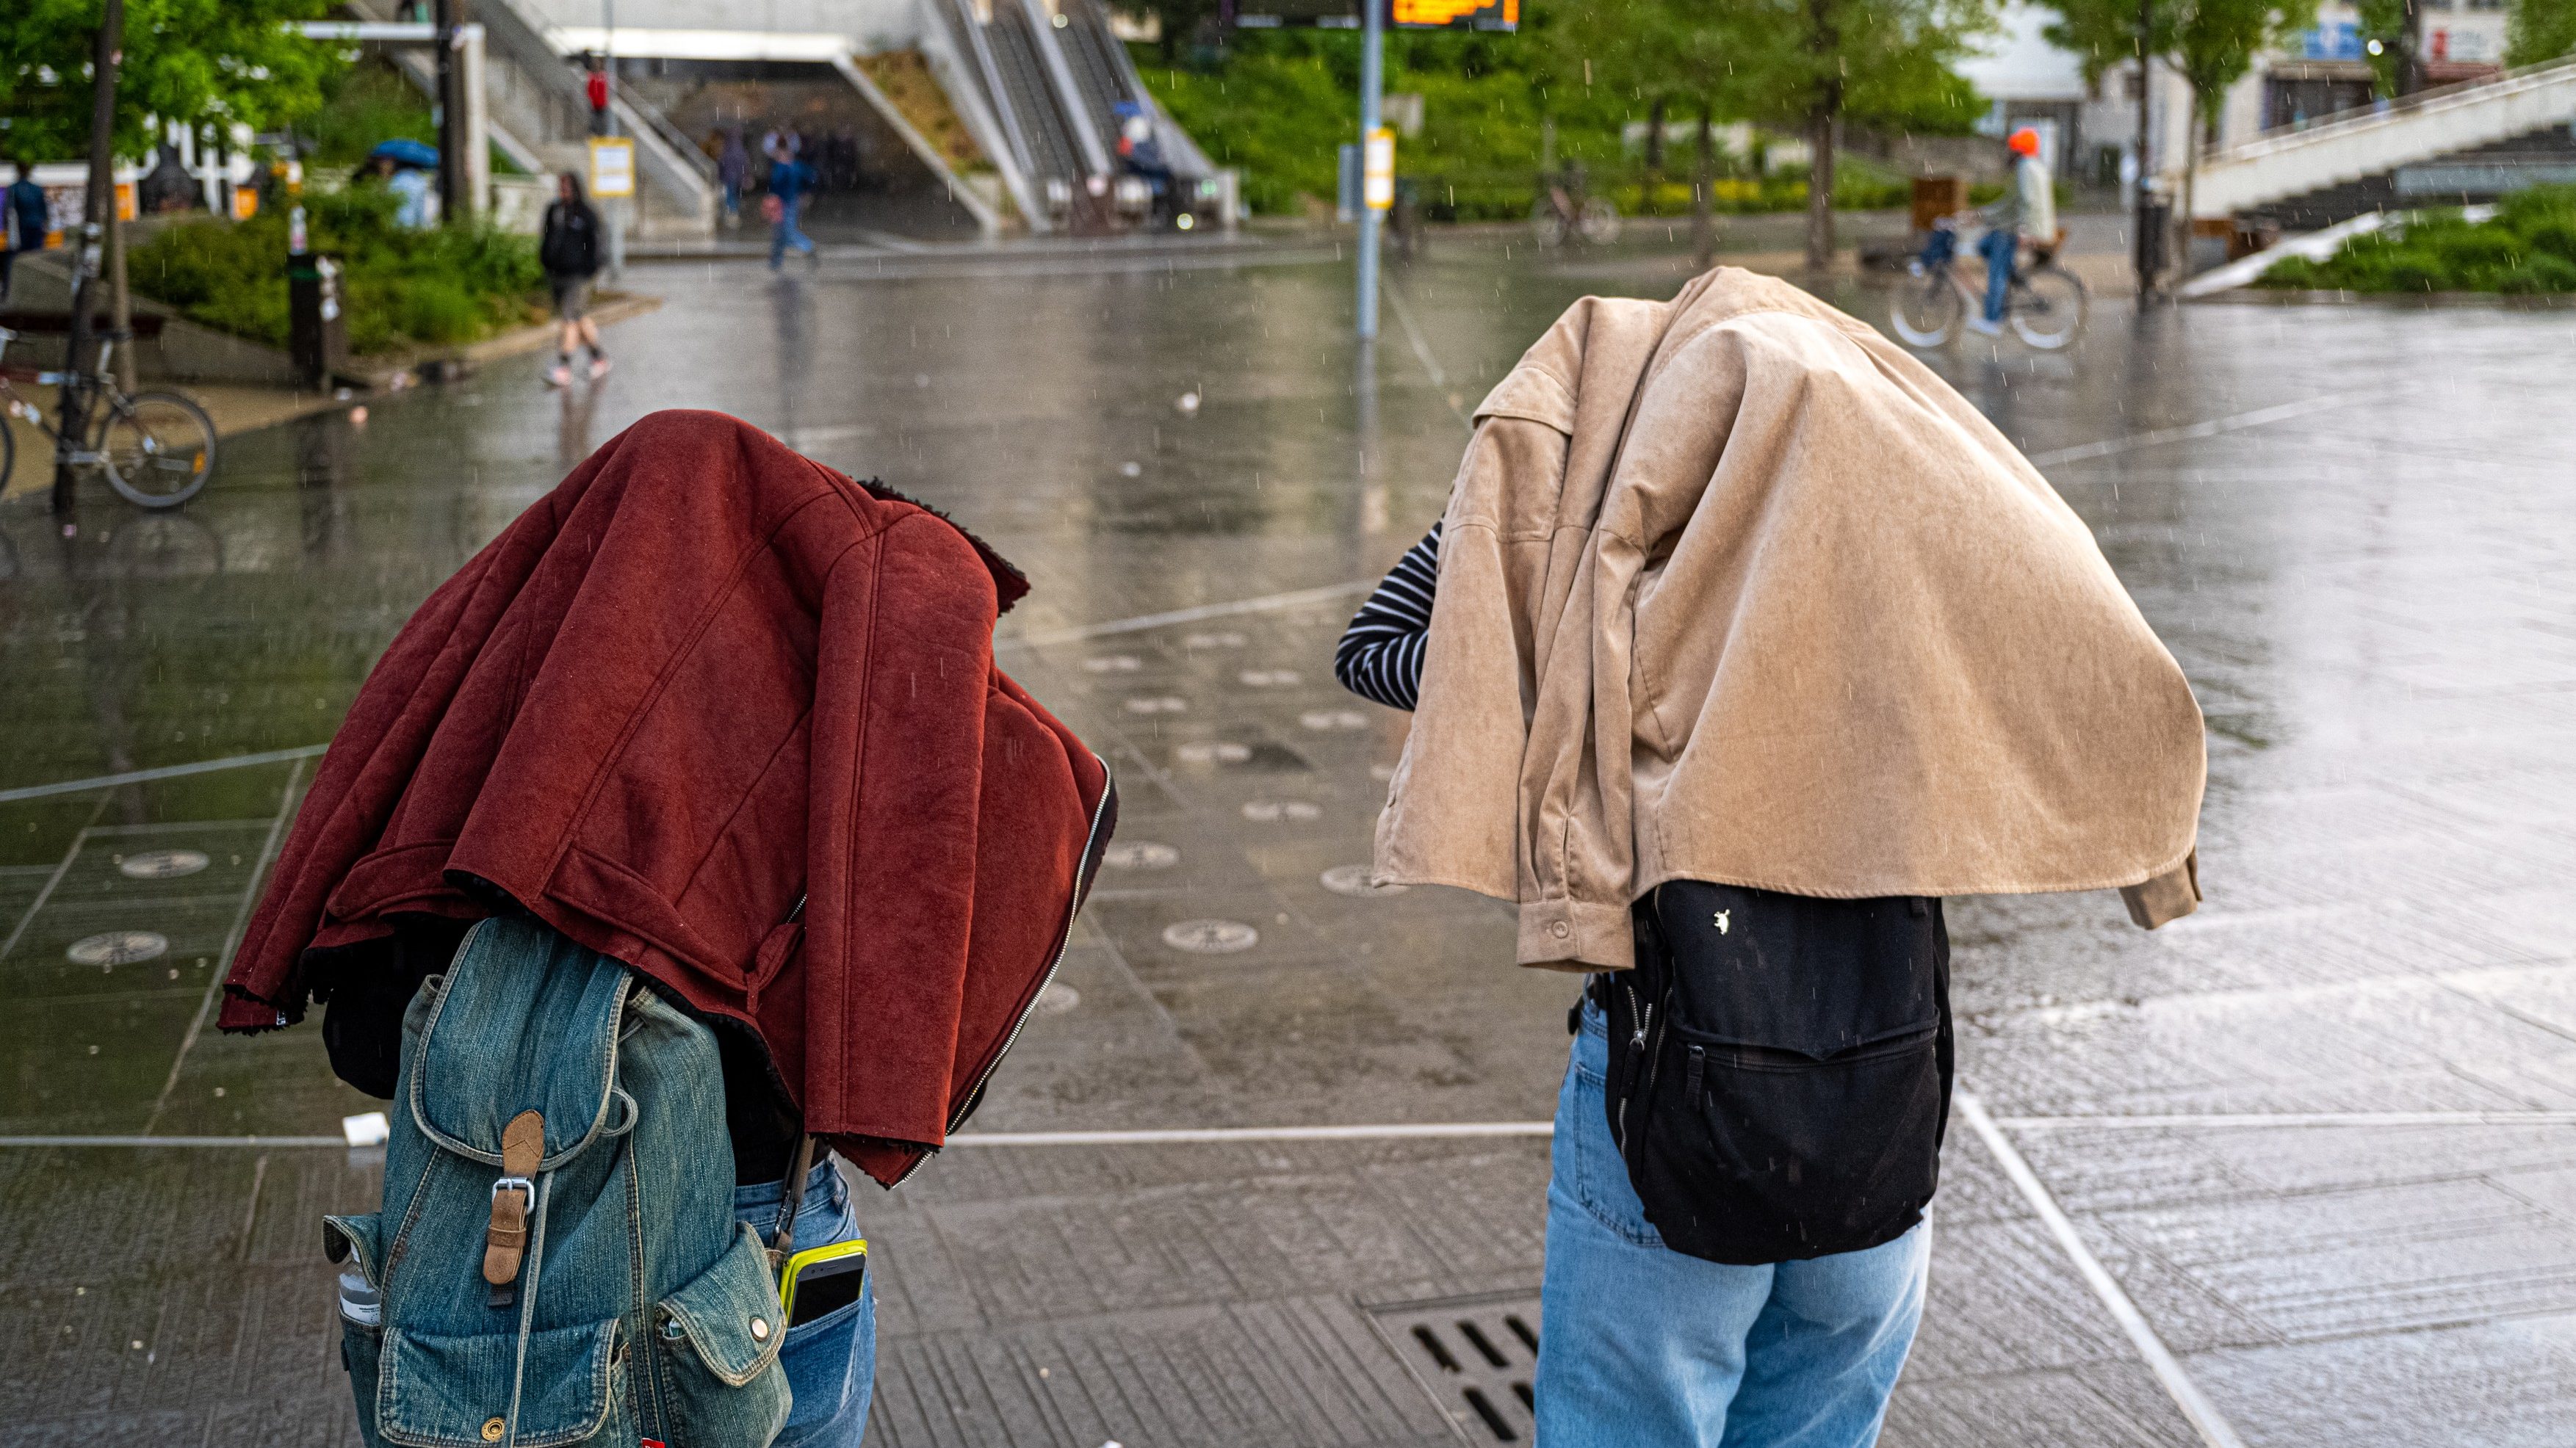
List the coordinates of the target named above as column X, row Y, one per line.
column 2540, row 30
column 194, row 62
column 1669, row 56
column 1816, row 63
column 2211, row 44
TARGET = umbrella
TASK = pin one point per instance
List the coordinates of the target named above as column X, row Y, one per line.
column 403, row 151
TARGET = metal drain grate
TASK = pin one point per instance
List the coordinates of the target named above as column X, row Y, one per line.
column 1476, row 1356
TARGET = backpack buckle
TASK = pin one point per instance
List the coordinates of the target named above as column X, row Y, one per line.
column 505, row 1241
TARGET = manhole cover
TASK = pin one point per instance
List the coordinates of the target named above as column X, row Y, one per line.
column 1057, row 999
column 1227, row 639
column 1206, row 753
column 1157, row 704
column 1268, row 678
column 161, row 864
column 1333, row 719
column 1476, row 1357
column 1140, row 855
column 1211, row 937
column 1114, row 664
column 1269, row 810
column 1354, row 880
column 117, row 947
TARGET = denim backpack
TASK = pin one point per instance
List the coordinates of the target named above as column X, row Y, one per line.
column 557, row 1260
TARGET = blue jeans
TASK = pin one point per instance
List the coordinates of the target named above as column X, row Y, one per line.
column 785, row 234
column 1641, row 1345
column 1999, row 248
column 831, row 1362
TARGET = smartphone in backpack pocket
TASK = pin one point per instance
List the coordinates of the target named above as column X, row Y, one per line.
column 1780, row 1069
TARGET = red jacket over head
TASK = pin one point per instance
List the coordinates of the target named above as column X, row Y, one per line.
column 700, row 682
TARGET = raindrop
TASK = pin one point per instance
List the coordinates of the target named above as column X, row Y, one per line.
column 1354, row 880
column 1140, row 855
column 1270, row 810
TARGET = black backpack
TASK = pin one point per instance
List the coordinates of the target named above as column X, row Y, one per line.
column 1780, row 1068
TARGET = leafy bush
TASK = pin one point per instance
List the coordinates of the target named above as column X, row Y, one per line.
column 2528, row 247
column 398, row 287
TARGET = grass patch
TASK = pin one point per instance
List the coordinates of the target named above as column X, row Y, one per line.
column 400, row 288
column 2528, row 248
column 1279, row 105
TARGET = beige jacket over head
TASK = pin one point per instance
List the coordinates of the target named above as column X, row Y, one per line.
column 1732, row 589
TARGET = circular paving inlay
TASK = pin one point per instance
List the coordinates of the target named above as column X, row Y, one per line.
column 1333, row 719
column 1268, row 678
column 1354, row 880
column 1222, row 639
column 1211, row 937
column 1114, row 664
column 1157, row 704
column 1269, row 810
column 1140, row 855
column 117, row 947
column 1057, row 999
column 161, row 864
column 1204, row 752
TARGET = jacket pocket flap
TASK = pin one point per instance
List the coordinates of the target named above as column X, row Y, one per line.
column 440, row 1392
column 730, row 1314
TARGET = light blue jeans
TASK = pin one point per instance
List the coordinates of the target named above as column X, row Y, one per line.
column 1999, row 247
column 1641, row 1345
column 787, row 234
column 831, row 1362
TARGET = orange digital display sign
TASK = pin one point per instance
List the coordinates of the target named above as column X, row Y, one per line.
column 1466, row 14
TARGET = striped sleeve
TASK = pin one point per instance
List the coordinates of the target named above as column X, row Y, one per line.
column 1380, row 655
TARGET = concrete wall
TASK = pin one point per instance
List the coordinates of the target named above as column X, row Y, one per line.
column 875, row 24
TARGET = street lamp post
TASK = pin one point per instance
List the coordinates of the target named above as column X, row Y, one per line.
column 455, row 169
column 98, row 210
column 1372, row 85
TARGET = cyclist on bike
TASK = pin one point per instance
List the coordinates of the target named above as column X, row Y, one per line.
column 2027, row 212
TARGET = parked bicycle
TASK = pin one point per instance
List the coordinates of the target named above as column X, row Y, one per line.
column 2044, row 304
column 156, row 448
column 1565, row 209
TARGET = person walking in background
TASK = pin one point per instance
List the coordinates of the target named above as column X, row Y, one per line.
column 790, row 178
column 569, row 251
column 1731, row 590
column 27, row 219
column 2026, row 214
column 733, row 172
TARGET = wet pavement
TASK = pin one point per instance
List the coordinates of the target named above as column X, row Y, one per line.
column 2308, row 1133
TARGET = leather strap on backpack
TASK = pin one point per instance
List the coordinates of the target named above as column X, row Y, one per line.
column 505, row 1241
column 782, row 1240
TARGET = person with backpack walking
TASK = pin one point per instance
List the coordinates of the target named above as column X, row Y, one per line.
column 651, row 870
column 790, row 179
column 1743, row 644
column 568, row 248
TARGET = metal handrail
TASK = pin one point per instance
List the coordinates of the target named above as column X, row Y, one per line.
column 2279, row 138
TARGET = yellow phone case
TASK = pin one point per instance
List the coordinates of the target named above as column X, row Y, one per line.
column 829, row 1252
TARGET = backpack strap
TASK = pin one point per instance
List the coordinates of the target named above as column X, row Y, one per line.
column 505, row 1241
column 782, row 1239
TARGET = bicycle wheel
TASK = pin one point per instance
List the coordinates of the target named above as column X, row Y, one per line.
column 1925, row 310
column 1599, row 222
column 158, row 448
column 1548, row 222
column 2047, row 307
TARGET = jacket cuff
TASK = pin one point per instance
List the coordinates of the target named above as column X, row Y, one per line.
column 1564, row 934
column 2167, row 897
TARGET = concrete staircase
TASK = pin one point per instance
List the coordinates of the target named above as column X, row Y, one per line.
column 2464, row 142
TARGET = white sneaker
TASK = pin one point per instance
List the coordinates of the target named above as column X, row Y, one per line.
column 1982, row 327
column 598, row 368
column 559, row 375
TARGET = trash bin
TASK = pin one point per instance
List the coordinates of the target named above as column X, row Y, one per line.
column 317, row 334
column 2154, row 224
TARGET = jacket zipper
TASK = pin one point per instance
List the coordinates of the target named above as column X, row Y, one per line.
column 1063, row 943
